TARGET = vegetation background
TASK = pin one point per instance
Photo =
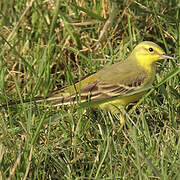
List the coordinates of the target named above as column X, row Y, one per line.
column 46, row 44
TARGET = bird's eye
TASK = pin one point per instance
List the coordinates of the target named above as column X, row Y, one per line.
column 151, row 49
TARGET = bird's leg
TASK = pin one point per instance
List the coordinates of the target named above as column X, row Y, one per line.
column 121, row 118
column 120, row 115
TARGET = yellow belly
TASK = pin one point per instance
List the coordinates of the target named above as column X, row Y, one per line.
column 118, row 104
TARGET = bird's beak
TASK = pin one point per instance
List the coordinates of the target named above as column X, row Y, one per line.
column 165, row 56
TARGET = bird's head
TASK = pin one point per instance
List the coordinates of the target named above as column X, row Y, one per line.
column 147, row 52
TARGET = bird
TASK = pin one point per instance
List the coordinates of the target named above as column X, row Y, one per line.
column 113, row 87
column 117, row 85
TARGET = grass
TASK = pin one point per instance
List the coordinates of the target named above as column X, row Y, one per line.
column 46, row 45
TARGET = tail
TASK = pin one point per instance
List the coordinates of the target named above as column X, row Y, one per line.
column 64, row 96
column 56, row 101
column 12, row 103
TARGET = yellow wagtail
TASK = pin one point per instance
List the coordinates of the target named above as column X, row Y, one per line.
column 117, row 80
column 113, row 87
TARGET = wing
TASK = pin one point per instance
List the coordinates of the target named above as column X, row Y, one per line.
column 102, row 89
column 113, row 81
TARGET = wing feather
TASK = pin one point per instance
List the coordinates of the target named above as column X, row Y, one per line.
column 100, row 90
